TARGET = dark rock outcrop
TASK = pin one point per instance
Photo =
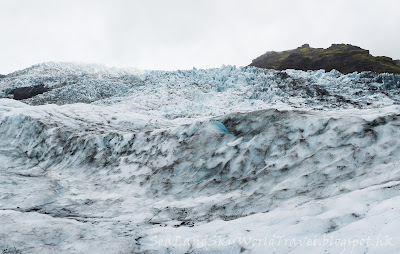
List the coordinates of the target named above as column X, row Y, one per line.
column 2, row 76
column 345, row 58
column 23, row 93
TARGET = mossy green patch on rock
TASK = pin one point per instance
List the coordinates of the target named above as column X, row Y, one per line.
column 345, row 58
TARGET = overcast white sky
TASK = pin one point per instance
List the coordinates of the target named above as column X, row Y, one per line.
column 181, row 34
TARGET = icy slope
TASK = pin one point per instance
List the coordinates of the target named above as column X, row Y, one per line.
column 208, row 92
column 70, row 82
column 190, row 161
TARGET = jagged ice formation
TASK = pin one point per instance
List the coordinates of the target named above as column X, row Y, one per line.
column 201, row 161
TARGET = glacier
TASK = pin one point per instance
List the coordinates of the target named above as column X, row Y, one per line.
column 222, row 160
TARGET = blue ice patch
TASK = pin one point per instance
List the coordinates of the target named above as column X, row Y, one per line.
column 220, row 127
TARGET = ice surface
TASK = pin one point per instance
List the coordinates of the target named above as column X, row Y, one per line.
column 225, row 160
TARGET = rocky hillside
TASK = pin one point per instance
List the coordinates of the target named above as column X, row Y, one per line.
column 345, row 58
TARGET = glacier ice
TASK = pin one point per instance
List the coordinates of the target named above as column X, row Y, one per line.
column 224, row 160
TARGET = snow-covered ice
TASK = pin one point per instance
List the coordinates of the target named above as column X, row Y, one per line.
column 224, row 160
